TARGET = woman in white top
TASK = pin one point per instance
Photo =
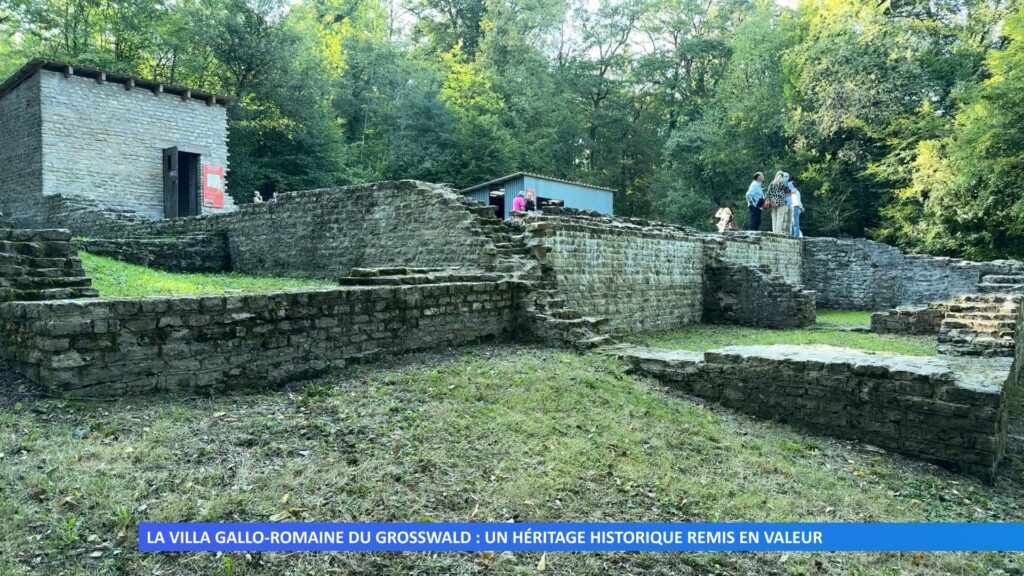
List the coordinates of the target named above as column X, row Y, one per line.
column 797, row 206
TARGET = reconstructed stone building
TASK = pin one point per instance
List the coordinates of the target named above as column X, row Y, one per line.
column 77, row 136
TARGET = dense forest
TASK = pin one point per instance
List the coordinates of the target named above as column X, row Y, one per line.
column 899, row 120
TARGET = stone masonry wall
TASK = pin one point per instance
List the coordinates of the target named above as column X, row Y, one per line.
column 920, row 320
column 913, row 405
column 776, row 253
column 648, row 276
column 860, row 274
column 748, row 296
column 207, row 253
column 107, row 347
column 326, row 233
column 851, row 274
column 1015, row 383
column 21, row 163
column 104, row 142
column 641, row 278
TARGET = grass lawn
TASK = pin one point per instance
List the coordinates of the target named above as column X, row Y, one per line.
column 488, row 434
column 705, row 337
column 844, row 317
column 114, row 278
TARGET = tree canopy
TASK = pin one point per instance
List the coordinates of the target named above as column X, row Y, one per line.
column 899, row 120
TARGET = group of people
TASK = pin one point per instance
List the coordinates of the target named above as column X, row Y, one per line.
column 525, row 202
column 781, row 198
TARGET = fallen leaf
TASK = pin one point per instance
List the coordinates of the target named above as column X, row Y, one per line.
column 543, row 562
column 917, row 558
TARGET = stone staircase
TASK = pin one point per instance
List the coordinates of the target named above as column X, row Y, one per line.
column 40, row 265
column 513, row 255
column 980, row 325
column 1001, row 284
column 519, row 258
column 553, row 321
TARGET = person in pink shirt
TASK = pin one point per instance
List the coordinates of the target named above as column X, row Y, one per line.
column 519, row 203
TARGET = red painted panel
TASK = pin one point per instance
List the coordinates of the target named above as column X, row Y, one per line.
column 213, row 186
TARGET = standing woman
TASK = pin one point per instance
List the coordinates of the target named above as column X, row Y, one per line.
column 777, row 193
column 798, row 209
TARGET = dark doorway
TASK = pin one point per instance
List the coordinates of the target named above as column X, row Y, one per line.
column 181, row 183
column 497, row 198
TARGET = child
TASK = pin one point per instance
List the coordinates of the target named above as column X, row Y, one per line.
column 724, row 219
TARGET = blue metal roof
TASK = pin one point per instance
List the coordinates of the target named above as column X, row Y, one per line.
column 566, row 193
column 520, row 174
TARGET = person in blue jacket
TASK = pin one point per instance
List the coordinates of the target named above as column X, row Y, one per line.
column 755, row 199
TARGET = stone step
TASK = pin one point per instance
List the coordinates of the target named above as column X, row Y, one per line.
column 978, row 307
column 41, row 283
column 978, row 324
column 1002, row 279
column 589, row 342
column 982, row 339
column 53, row 294
column 975, row 349
column 986, row 298
column 988, row 288
column 967, row 316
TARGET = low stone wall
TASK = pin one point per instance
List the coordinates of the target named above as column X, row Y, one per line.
column 918, row 320
column 781, row 255
column 914, row 405
column 201, row 253
column 641, row 278
column 860, row 274
column 109, row 347
column 326, row 233
column 745, row 296
column 647, row 276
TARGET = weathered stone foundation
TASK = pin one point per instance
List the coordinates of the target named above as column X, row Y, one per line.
column 914, row 405
column 860, row 274
column 745, row 296
column 109, row 347
column 647, row 276
column 202, row 253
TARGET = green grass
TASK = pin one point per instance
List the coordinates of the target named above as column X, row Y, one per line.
column 702, row 337
column 114, row 278
column 844, row 317
column 491, row 435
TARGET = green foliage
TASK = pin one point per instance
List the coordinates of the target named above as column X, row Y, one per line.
column 897, row 119
column 113, row 279
column 965, row 196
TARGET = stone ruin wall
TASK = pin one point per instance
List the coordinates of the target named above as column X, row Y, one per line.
column 780, row 255
column 640, row 279
column 913, row 405
column 316, row 233
column 108, row 347
column 737, row 295
column 860, row 274
column 646, row 276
